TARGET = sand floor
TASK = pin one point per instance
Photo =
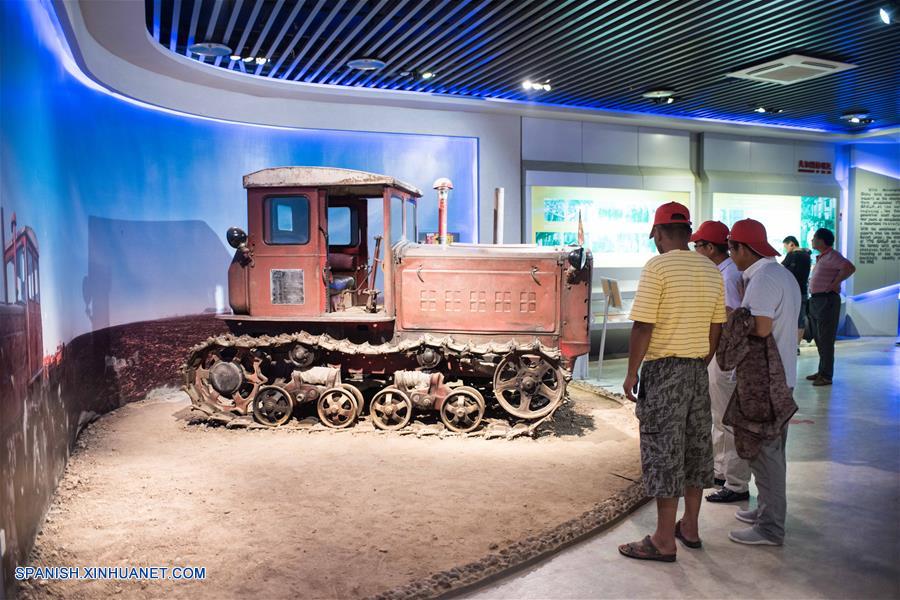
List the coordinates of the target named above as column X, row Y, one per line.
column 282, row 513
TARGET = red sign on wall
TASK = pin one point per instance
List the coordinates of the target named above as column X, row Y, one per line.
column 814, row 166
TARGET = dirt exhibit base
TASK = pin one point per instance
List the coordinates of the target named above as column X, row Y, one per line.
column 329, row 514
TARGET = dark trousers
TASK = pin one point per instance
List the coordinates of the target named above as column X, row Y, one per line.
column 824, row 312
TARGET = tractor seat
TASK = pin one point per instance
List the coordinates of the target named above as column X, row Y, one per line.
column 340, row 283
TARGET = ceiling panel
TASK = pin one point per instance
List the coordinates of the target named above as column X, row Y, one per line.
column 594, row 54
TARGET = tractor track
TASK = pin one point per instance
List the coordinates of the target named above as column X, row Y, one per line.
column 212, row 408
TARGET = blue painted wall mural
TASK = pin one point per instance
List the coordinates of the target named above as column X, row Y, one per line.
column 129, row 206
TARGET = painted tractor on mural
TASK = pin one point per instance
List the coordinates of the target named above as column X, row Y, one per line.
column 322, row 319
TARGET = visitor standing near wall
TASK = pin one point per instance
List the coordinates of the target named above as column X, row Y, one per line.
column 678, row 313
column 825, row 301
column 798, row 261
column 731, row 471
column 772, row 297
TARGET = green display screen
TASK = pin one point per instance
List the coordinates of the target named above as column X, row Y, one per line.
column 616, row 222
column 799, row 216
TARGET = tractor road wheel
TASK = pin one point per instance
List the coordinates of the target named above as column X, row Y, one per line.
column 528, row 385
column 337, row 408
column 360, row 401
column 463, row 409
column 272, row 406
column 391, row 409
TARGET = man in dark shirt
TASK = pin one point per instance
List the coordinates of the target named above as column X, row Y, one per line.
column 798, row 261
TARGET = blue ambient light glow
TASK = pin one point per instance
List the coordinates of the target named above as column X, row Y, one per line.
column 889, row 290
column 115, row 187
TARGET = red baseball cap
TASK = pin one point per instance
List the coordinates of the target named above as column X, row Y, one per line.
column 714, row 232
column 752, row 233
column 671, row 212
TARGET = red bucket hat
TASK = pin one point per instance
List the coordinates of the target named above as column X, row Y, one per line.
column 714, row 232
column 753, row 234
column 671, row 212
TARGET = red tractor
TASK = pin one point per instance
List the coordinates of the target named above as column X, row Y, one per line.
column 450, row 324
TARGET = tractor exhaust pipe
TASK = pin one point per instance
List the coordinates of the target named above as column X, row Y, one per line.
column 498, row 214
column 443, row 187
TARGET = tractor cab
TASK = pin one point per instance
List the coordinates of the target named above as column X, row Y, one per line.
column 319, row 246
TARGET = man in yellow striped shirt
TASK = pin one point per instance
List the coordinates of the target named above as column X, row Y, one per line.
column 678, row 313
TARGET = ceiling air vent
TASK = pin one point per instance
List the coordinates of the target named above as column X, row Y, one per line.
column 793, row 68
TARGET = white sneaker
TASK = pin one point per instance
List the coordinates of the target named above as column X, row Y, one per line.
column 747, row 516
column 752, row 537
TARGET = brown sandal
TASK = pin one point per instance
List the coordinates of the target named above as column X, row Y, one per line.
column 684, row 540
column 645, row 550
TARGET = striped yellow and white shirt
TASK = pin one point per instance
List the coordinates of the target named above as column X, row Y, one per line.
column 681, row 293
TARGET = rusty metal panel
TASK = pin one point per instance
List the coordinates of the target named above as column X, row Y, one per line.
column 576, row 313
column 483, row 298
column 337, row 180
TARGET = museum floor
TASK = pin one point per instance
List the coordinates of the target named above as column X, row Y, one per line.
column 843, row 523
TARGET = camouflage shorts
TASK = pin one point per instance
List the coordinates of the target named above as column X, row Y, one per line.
column 676, row 422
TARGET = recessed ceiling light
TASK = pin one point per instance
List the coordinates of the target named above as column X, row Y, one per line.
column 248, row 59
column 427, row 75
column 764, row 109
column 760, row 109
column 366, row 64
column 538, row 87
column 659, row 94
column 857, row 118
column 885, row 15
column 261, row 60
column 210, row 49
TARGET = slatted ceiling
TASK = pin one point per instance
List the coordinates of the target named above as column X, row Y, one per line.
column 195, row 17
column 596, row 54
column 360, row 23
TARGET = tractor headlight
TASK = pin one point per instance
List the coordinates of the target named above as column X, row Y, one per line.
column 236, row 237
column 578, row 258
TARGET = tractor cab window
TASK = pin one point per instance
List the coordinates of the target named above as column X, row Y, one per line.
column 20, row 271
column 343, row 226
column 32, row 278
column 10, row 281
column 398, row 233
column 412, row 231
column 287, row 220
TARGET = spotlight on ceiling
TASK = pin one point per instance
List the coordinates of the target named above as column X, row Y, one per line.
column 885, row 14
column 857, row 118
column 366, row 64
column 656, row 94
column 427, row 75
column 235, row 57
column 764, row 109
column 210, row 49
column 538, row 87
column 261, row 60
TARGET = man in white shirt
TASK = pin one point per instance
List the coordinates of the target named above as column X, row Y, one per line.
column 773, row 297
column 731, row 471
